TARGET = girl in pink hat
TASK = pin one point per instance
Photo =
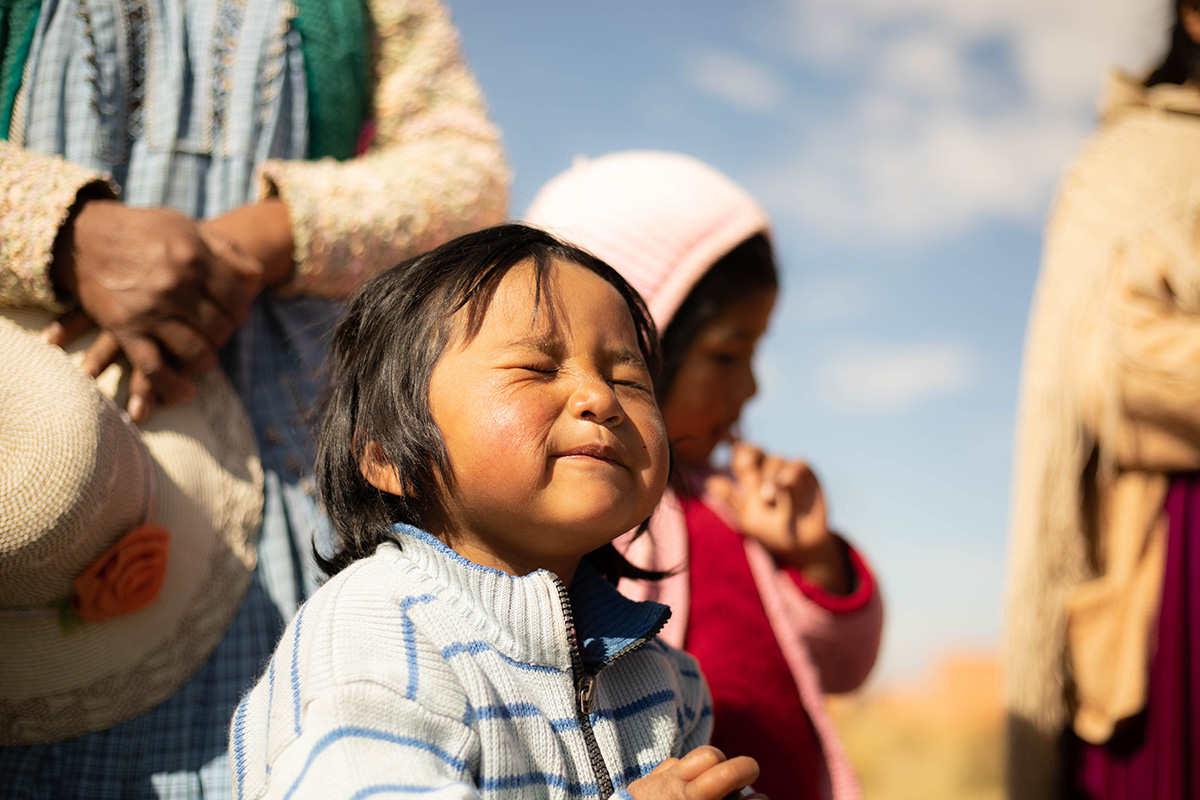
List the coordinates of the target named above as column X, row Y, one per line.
column 777, row 608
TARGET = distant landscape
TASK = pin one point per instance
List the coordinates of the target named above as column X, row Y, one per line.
column 937, row 739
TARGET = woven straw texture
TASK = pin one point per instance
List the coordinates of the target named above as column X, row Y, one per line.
column 206, row 483
column 661, row 219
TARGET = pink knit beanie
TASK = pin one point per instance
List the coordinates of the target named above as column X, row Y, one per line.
column 660, row 219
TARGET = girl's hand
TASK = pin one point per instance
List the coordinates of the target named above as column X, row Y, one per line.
column 780, row 503
column 703, row 774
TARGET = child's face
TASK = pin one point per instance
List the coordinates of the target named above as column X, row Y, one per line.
column 716, row 378
column 554, row 436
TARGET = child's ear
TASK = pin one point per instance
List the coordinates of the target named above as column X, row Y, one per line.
column 380, row 472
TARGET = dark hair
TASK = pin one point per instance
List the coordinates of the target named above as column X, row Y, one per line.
column 744, row 270
column 384, row 350
column 1182, row 62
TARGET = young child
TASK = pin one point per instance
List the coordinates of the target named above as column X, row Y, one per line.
column 492, row 428
column 776, row 607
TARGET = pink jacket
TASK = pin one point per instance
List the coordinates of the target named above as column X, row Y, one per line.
column 827, row 651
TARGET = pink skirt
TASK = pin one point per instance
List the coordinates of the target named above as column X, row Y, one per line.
column 1156, row 755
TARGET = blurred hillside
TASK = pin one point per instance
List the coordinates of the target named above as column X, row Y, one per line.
column 937, row 739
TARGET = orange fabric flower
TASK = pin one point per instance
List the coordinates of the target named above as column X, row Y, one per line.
column 126, row 578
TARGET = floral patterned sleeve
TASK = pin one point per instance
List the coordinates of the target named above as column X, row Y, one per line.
column 36, row 195
column 435, row 168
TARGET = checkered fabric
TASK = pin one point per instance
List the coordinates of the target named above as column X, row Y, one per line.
column 183, row 154
column 200, row 105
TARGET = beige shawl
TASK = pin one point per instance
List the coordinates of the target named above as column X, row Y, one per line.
column 1110, row 403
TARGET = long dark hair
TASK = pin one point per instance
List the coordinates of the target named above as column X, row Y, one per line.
column 1182, row 62
column 391, row 336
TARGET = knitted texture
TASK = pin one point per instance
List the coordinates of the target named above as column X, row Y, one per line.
column 433, row 149
column 418, row 671
column 660, row 219
column 826, row 650
column 36, row 196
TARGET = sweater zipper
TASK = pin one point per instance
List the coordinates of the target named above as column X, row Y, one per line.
column 585, row 697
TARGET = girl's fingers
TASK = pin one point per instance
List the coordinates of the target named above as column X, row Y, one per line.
column 745, row 463
column 744, row 459
column 724, row 489
column 699, row 761
column 794, row 475
column 664, row 766
column 721, row 779
column 770, row 486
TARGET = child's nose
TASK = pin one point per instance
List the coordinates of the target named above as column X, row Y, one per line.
column 749, row 383
column 595, row 400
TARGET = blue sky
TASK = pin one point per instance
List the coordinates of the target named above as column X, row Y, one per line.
column 907, row 151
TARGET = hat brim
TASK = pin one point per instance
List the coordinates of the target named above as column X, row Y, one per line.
column 56, row 685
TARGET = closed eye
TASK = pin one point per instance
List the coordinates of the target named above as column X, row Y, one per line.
column 631, row 379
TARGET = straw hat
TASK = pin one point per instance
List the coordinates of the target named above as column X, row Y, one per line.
column 660, row 219
column 124, row 554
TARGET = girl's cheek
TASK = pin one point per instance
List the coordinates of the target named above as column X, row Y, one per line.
column 661, row 463
column 512, row 425
column 656, row 443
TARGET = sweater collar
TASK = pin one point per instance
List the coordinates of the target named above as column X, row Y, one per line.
column 532, row 618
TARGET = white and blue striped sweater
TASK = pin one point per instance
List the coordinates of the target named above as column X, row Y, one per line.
column 417, row 672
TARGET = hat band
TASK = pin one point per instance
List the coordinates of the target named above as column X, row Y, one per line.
column 125, row 578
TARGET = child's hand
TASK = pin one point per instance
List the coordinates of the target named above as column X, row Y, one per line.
column 703, row 774
column 780, row 503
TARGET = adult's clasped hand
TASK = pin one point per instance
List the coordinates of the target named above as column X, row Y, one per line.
column 165, row 291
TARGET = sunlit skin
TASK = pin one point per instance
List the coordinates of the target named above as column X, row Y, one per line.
column 775, row 500
column 556, row 447
column 555, row 440
column 165, row 290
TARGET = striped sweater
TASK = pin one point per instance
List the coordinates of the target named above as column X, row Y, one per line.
column 416, row 671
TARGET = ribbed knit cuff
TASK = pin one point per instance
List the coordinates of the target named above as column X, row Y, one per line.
column 862, row 583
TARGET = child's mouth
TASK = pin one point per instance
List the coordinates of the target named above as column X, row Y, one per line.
column 598, row 452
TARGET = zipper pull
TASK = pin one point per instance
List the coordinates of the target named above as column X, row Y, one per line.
column 587, row 693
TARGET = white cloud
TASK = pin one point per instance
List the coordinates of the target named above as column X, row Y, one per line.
column 926, row 145
column 917, row 176
column 891, row 377
column 857, row 31
column 925, row 64
column 734, row 79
